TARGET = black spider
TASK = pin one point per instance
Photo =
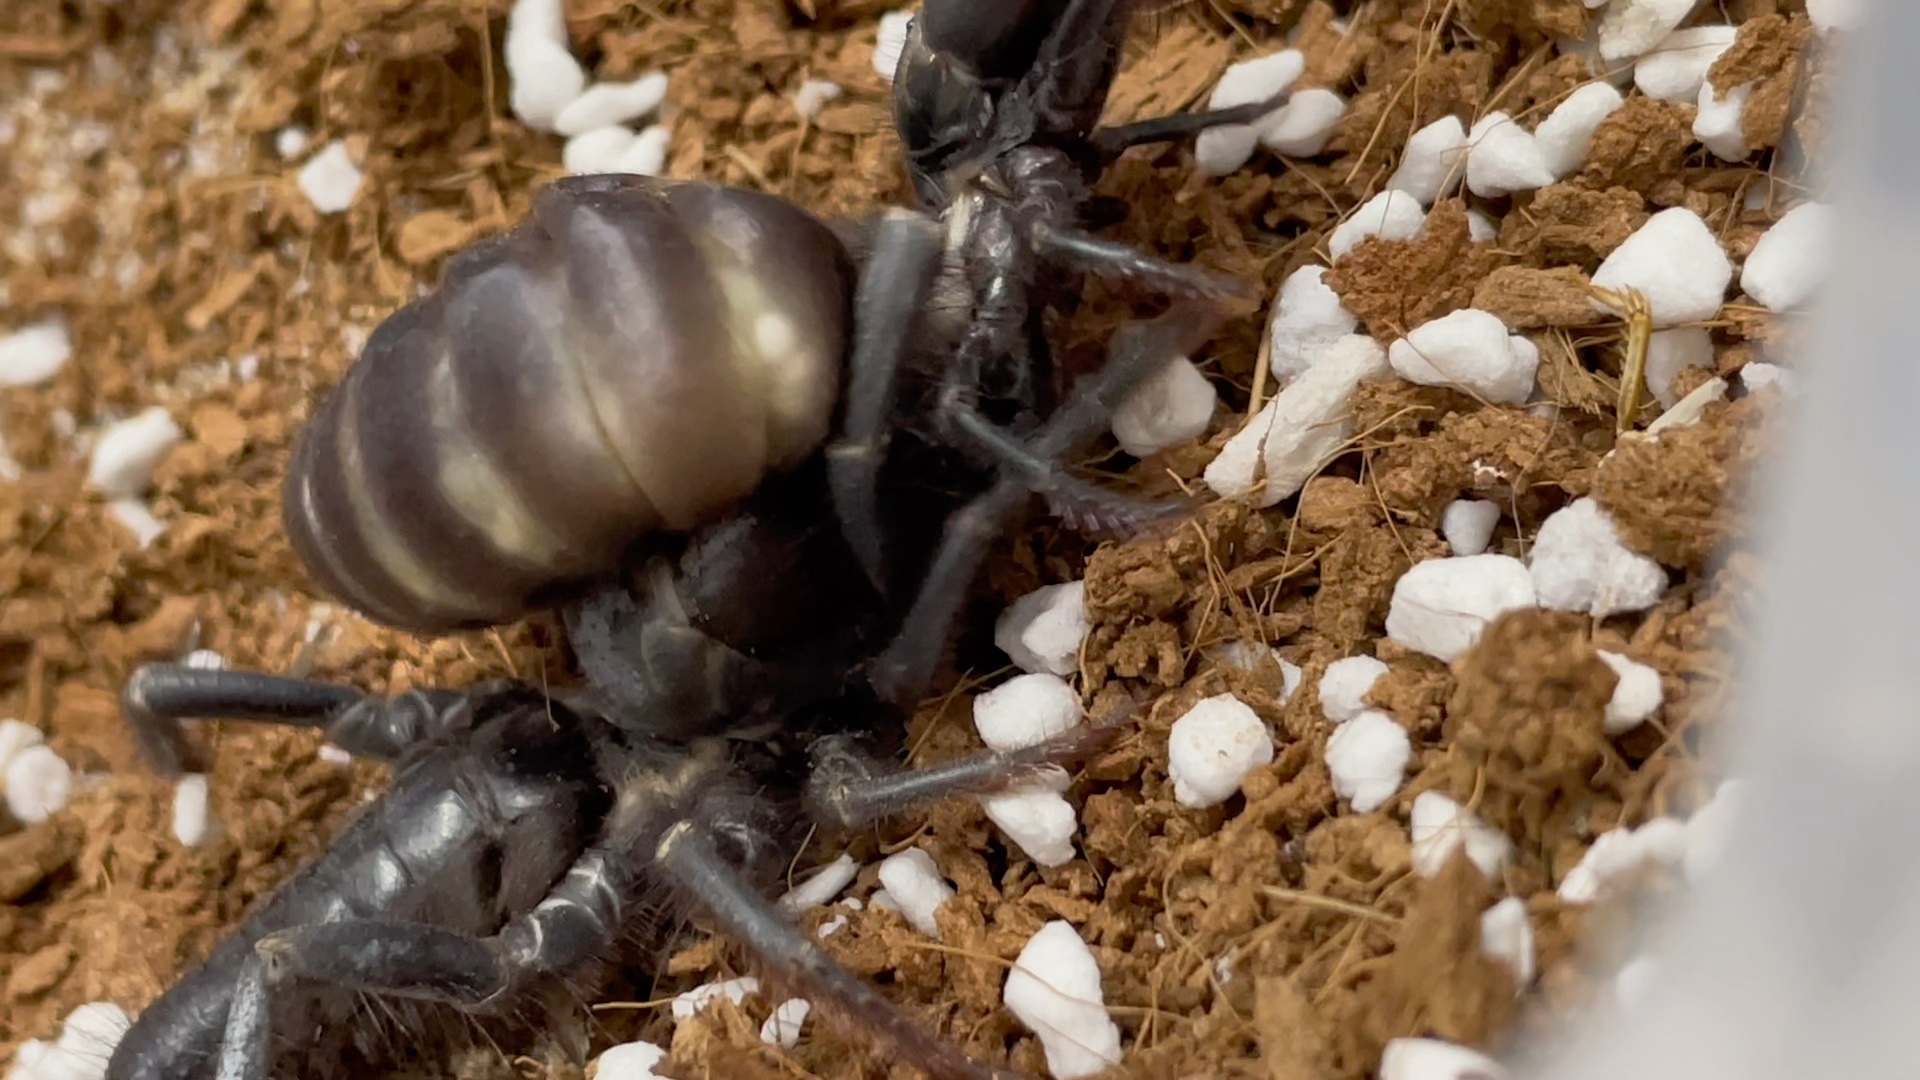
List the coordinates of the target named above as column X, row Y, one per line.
column 998, row 106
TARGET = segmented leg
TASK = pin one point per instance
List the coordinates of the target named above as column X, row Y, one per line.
column 656, row 842
column 159, row 696
column 1111, row 142
column 1072, row 248
column 901, row 672
column 893, row 286
column 691, row 859
column 850, row 788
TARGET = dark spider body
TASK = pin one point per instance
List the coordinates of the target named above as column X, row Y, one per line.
column 758, row 475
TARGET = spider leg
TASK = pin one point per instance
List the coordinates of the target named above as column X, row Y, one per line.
column 850, row 788
column 1077, row 250
column 664, row 835
column 1111, row 142
column 1137, row 351
column 689, row 856
column 893, row 285
column 157, row 697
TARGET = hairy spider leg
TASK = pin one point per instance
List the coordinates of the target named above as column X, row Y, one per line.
column 1117, row 139
column 893, row 286
column 902, row 671
column 157, row 697
column 665, row 833
column 850, row 787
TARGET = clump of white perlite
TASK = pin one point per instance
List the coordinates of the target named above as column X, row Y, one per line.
column 330, row 179
column 1054, row 989
column 37, row 781
column 550, row 91
column 1213, row 747
column 1023, row 712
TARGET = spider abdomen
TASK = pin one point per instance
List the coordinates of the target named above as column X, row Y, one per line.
column 636, row 357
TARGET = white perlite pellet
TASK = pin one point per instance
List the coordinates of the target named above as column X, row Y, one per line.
column 190, row 809
column 1791, row 259
column 1471, row 350
column 1345, row 685
column 1295, row 433
column 1026, row 710
column 1468, row 525
column 330, row 179
column 138, row 518
column 914, row 883
column 1390, row 215
column 1676, row 262
column 608, row 103
column 1054, row 989
column 1759, row 375
column 1440, row 607
column 16, row 736
column 1636, row 696
column 542, row 75
column 126, row 453
column 1621, row 851
column 1173, row 407
column 1506, row 935
column 1439, row 827
column 1689, row 409
column 597, row 150
column 1303, row 126
column 690, row 1004
column 1220, row 150
column 813, row 96
column 1579, row 564
column 1631, row 27
column 891, row 41
column 630, row 1061
column 289, row 141
column 1676, row 67
column 784, row 1026
column 825, row 884
column 38, row 784
column 647, row 154
column 1434, row 1059
column 1434, row 161
column 1368, row 758
column 1719, row 121
column 1564, row 137
column 1038, row 820
column 1504, row 158
column 1042, row 631
column 1305, row 321
column 34, row 353
column 1212, row 748
column 1670, row 352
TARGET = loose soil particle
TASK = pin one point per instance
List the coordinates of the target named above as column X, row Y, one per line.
column 1277, row 935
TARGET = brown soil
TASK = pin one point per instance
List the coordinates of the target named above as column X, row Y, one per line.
column 1277, row 935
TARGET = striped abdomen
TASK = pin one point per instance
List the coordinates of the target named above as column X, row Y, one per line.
column 635, row 357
